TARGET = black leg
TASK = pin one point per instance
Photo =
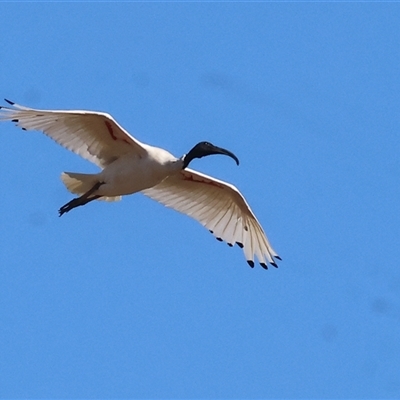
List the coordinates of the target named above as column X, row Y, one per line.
column 80, row 201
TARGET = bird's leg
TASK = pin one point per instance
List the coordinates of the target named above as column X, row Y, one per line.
column 82, row 200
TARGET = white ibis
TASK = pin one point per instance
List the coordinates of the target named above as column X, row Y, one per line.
column 129, row 166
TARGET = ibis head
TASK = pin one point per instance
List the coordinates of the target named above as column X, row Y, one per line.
column 203, row 149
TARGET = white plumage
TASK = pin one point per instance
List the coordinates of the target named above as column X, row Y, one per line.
column 129, row 166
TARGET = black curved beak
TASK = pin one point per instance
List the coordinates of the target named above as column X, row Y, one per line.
column 204, row 149
column 220, row 150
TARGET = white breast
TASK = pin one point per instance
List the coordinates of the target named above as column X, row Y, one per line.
column 131, row 174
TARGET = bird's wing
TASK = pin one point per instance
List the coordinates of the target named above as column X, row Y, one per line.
column 220, row 208
column 94, row 136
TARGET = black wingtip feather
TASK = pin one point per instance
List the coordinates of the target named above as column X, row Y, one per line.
column 240, row 244
column 219, row 239
column 14, row 120
column 251, row 263
column 278, row 258
column 9, row 102
column 230, row 244
column 265, row 266
column 274, row 265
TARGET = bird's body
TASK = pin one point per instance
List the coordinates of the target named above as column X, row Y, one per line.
column 128, row 175
column 129, row 166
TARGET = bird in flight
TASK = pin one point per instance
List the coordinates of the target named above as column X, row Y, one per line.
column 129, row 166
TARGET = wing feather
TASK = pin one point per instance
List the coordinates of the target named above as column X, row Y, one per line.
column 219, row 207
column 94, row 136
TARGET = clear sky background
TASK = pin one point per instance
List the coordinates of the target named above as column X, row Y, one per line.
column 134, row 300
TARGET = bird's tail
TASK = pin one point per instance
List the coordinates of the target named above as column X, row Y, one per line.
column 82, row 183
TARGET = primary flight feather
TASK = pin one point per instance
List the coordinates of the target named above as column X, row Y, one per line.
column 129, row 166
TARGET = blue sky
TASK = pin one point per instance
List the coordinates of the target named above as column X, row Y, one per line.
column 133, row 300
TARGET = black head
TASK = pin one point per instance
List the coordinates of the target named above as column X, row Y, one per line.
column 203, row 149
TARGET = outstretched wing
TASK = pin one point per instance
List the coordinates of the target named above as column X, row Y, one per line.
column 94, row 136
column 219, row 207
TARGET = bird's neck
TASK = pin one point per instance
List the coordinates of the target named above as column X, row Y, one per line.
column 176, row 165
